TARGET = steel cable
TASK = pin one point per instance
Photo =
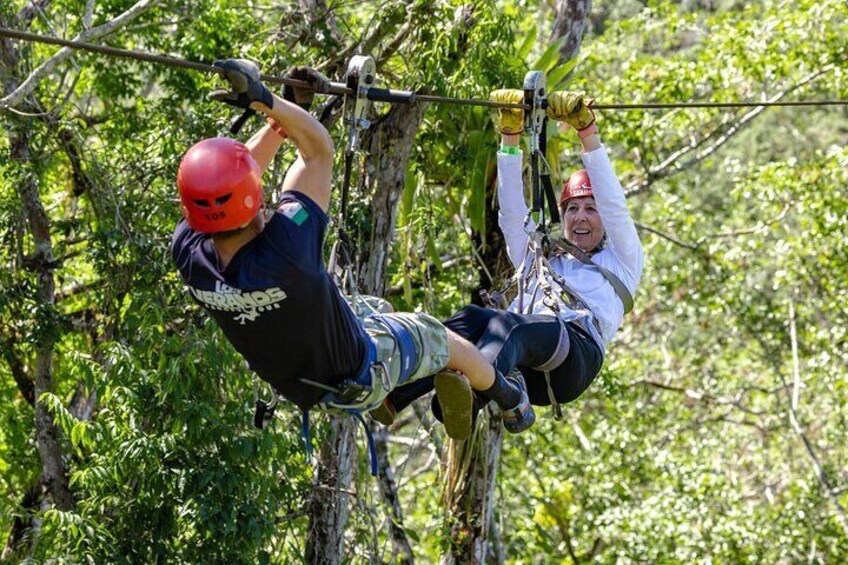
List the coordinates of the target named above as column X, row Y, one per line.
column 385, row 95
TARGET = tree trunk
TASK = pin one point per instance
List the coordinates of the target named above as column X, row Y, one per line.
column 36, row 379
column 492, row 247
column 401, row 548
column 388, row 146
column 53, row 468
column 330, row 502
column 43, row 263
column 570, row 22
column 469, row 495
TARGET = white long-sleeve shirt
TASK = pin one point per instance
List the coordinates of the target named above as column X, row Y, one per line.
column 622, row 254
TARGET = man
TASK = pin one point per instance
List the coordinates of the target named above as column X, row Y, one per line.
column 557, row 347
column 265, row 283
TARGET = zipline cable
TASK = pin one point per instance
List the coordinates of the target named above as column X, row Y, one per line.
column 382, row 94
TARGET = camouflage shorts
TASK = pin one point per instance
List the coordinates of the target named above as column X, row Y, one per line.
column 429, row 337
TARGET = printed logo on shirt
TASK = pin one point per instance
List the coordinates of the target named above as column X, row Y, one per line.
column 294, row 211
column 247, row 306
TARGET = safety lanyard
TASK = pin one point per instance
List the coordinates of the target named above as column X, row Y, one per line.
column 360, row 76
column 536, row 125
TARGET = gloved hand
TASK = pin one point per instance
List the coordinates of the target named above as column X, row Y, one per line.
column 572, row 108
column 303, row 96
column 509, row 120
column 246, row 85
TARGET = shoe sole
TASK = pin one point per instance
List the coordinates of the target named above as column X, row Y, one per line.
column 456, row 399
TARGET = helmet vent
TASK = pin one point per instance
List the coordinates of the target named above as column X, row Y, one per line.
column 223, row 199
column 201, row 202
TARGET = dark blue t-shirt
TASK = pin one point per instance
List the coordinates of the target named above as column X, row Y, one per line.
column 275, row 301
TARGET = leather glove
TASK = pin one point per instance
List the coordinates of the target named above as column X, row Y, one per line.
column 303, row 97
column 572, row 108
column 245, row 82
column 509, row 120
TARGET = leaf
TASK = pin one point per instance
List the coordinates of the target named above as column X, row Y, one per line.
column 549, row 58
column 558, row 73
column 477, row 197
column 529, row 41
column 410, row 188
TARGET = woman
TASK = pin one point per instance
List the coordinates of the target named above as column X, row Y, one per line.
column 567, row 335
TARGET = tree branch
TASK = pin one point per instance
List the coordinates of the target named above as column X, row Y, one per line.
column 722, row 235
column 793, row 398
column 45, row 68
column 19, row 371
column 670, row 166
column 698, row 396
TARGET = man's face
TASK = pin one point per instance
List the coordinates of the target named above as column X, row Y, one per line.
column 583, row 224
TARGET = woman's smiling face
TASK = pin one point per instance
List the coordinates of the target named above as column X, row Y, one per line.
column 583, row 224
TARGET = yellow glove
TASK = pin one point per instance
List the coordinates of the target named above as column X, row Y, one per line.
column 572, row 108
column 509, row 120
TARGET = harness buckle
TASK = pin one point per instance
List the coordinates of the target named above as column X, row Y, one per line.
column 350, row 391
column 385, row 378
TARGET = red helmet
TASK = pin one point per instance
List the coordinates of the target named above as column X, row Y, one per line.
column 578, row 185
column 220, row 185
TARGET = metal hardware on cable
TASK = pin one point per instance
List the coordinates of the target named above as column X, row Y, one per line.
column 535, row 92
column 386, row 95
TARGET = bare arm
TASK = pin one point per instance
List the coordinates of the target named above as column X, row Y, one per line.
column 312, row 173
column 263, row 146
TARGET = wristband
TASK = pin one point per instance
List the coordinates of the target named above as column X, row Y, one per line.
column 275, row 125
column 587, row 131
column 510, row 150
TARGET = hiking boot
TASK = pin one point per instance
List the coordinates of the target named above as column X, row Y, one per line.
column 518, row 419
column 456, row 400
column 385, row 413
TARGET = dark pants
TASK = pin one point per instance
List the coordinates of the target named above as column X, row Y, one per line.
column 508, row 340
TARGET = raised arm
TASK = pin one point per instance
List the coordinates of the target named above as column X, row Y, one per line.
column 512, row 209
column 575, row 109
column 312, row 172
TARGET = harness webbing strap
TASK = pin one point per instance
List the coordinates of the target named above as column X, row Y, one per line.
column 545, row 176
column 408, row 353
column 555, row 406
column 372, row 448
column 619, row 287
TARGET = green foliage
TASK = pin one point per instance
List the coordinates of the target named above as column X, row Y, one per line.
column 683, row 451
